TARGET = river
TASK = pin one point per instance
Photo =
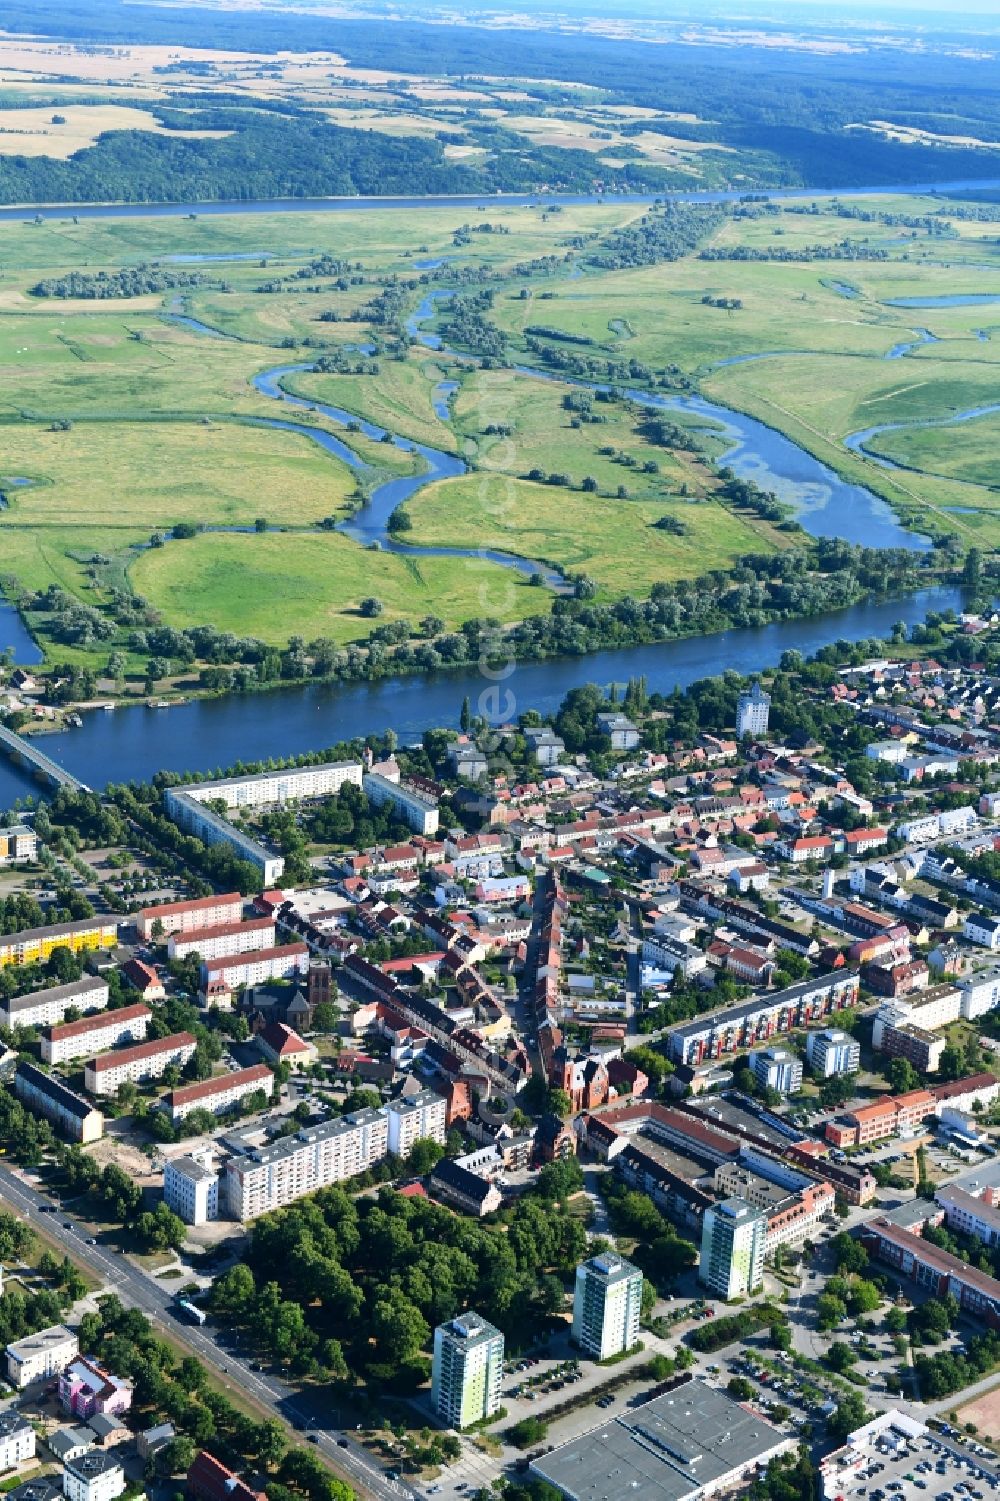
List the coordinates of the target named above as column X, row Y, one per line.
column 353, row 205
column 210, row 734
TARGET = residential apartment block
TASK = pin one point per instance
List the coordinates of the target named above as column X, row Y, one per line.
column 136, row 1065
column 281, row 963
column 17, row 842
column 45, row 1008
column 410, row 1120
column 227, row 939
column 70, row 1113
column 733, row 1238
column 95, row 1034
column 94, row 1476
column 17, row 1439
column 191, row 1187
column 204, row 823
column 467, row 1370
column 282, row 1171
column 778, row 1069
column 607, row 1302
column 40, row 1356
column 758, row 1020
column 86, row 1388
column 188, row 917
column 219, row 1094
column 832, row 1052
column 36, row 945
column 418, row 811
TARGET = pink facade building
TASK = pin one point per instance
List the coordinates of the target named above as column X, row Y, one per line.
column 86, row 1389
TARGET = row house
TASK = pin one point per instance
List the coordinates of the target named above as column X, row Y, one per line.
column 739, row 1027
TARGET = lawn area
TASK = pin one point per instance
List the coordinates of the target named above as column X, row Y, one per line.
column 615, row 542
column 276, row 585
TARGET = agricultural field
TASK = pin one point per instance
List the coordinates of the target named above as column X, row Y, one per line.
column 122, row 416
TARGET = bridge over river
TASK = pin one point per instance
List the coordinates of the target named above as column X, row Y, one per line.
column 47, row 770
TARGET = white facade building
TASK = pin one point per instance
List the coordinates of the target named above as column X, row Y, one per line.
column 220, row 1093
column 17, row 1439
column 983, row 930
column 607, row 1302
column 231, row 938
column 419, row 812
column 832, row 1052
column 147, row 1060
column 94, row 1476
column 191, row 1187
column 980, row 993
column 753, row 709
column 411, row 1120
column 95, row 1034
column 777, row 1068
column 281, row 963
column 40, row 1356
column 282, row 1171
column 186, row 917
column 45, row 1008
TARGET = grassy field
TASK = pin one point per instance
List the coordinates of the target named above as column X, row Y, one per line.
column 615, row 542
column 143, row 403
column 273, row 585
column 968, row 454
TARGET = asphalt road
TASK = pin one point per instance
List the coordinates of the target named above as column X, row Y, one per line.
column 140, row 1291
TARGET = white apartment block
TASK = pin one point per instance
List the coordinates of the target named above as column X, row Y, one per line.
column 219, row 1094
column 17, row 1440
column 268, row 789
column 40, row 1356
column 191, row 1187
column 277, row 1174
column 980, row 993
column 412, row 1120
column 983, row 930
column 753, row 709
column 221, row 942
column 607, row 1302
column 95, row 1034
column 778, row 1069
column 45, row 1008
column 204, row 823
column 421, row 813
column 971, row 1213
column 832, row 1052
column 135, row 1065
column 281, row 963
column 187, row 917
column 94, row 1476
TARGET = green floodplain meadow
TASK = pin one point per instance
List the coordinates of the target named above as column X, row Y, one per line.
column 125, row 422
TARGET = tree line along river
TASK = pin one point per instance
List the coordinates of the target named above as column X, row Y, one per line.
column 134, row 742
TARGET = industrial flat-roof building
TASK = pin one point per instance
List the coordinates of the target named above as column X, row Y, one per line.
column 691, row 1442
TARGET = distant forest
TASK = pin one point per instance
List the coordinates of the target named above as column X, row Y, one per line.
column 785, row 113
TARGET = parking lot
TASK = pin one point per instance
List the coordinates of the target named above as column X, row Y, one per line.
column 930, row 1467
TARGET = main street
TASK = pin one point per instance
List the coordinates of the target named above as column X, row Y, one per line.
column 138, row 1290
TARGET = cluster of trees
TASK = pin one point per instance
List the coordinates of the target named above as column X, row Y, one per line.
column 349, row 818
column 841, row 250
column 178, row 1390
column 129, row 281
column 660, row 1253
column 468, row 326
column 729, row 1328
column 121, row 1197
column 22, row 1312
column 364, row 1281
column 665, row 234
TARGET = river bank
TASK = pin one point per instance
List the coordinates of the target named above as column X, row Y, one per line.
column 205, row 734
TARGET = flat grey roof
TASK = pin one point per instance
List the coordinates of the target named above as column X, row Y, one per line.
column 664, row 1450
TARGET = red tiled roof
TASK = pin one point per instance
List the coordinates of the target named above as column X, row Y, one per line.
column 141, row 1050
column 206, row 1088
column 196, row 904
column 103, row 1019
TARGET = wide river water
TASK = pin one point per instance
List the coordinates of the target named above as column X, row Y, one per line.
column 135, row 742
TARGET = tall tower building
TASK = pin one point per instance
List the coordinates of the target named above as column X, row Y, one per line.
column 467, row 1370
column 752, row 710
column 606, row 1305
column 732, row 1248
